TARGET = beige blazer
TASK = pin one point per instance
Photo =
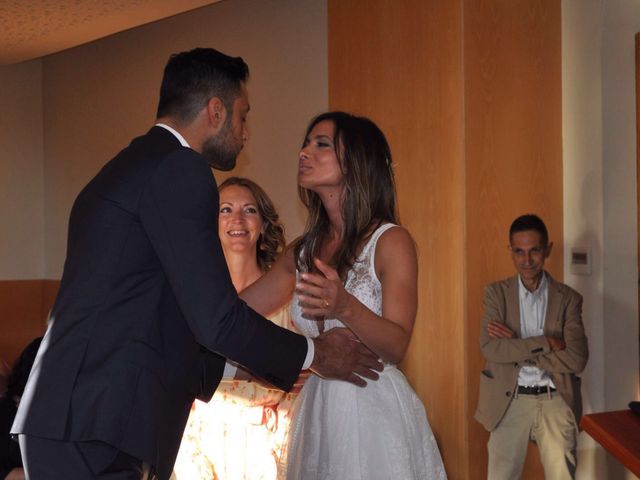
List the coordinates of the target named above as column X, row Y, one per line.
column 505, row 357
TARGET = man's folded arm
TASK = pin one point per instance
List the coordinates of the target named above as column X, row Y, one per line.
column 573, row 358
column 506, row 350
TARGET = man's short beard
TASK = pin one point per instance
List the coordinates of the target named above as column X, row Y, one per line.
column 218, row 156
column 219, row 150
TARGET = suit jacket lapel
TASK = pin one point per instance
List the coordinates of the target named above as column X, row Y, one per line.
column 554, row 300
column 513, row 305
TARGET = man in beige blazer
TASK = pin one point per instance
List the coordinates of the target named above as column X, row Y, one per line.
column 534, row 344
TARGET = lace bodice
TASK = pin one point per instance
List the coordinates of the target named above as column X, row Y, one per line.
column 362, row 282
column 343, row 432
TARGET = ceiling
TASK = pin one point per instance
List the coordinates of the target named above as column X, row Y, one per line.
column 33, row 28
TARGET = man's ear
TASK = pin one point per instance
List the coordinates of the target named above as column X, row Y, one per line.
column 548, row 252
column 216, row 112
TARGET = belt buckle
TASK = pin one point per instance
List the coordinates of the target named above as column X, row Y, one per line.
column 535, row 389
column 531, row 389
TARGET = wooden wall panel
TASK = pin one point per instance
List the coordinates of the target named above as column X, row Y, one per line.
column 638, row 151
column 22, row 315
column 513, row 151
column 49, row 292
column 399, row 63
column 469, row 95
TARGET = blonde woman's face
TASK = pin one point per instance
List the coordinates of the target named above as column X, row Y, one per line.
column 239, row 221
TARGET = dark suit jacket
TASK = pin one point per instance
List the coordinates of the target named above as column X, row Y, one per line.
column 505, row 357
column 145, row 290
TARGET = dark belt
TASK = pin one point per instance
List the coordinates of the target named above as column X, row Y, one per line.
column 537, row 390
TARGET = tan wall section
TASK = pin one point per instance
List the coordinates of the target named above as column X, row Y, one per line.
column 21, row 175
column 469, row 95
column 21, row 207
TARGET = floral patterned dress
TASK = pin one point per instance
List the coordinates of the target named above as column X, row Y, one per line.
column 239, row 434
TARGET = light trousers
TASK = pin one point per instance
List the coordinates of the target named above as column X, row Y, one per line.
column 545, row 419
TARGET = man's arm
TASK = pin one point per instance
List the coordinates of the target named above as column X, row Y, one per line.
column 573, row 358
column 178, row 212
column 340, row 355
column 505, row 347
column 336, row 353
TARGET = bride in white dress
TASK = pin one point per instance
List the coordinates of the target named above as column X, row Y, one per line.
column 353, row 267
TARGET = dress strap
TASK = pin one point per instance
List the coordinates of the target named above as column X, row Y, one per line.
column 371, row 245
column 380, row 230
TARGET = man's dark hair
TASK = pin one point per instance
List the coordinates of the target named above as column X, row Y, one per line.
column 527, row 222
column 192, row 78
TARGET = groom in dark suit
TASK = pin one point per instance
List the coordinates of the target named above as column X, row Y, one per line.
column 146, row 311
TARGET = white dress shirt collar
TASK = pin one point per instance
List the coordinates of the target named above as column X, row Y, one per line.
column 535, row 295
column 180, row 138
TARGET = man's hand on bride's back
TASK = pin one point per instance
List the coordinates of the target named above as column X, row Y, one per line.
column 340, row 355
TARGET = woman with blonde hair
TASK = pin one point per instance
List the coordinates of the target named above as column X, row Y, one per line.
column 240, row 432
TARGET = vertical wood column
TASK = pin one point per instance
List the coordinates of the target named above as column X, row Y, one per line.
column 513, row 153
column 399, row 63
column 638, row 149
column 468, row 93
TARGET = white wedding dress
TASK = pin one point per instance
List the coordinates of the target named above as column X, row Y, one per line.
column 344, row 432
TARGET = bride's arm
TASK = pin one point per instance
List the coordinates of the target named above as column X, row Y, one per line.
column 274, row 288
column 396, row 265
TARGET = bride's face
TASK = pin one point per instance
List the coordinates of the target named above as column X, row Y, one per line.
column 318, row 164
column 239, row 220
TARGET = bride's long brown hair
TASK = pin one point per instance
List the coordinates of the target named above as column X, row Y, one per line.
column 370, row 195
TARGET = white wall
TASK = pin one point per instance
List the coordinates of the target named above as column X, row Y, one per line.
column 21, row 175
column 600, row 201
column 100, row 95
